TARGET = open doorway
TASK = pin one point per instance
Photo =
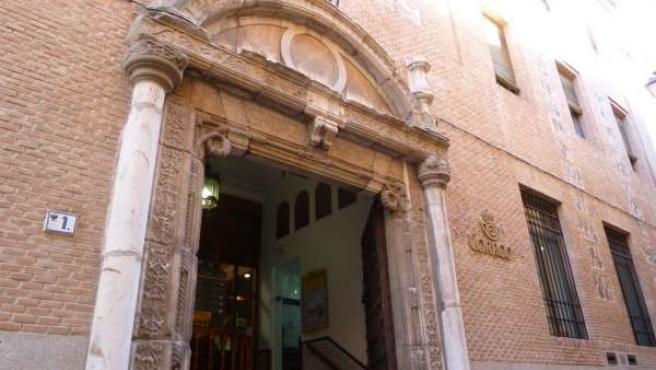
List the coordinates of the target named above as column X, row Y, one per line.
column 285, row 267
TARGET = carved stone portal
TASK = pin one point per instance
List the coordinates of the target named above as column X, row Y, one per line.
column 374, row 109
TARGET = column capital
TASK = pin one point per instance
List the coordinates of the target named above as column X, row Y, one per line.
column 434, row 171
column 151, row 60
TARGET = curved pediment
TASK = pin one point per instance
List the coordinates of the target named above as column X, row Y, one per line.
column 311, row 37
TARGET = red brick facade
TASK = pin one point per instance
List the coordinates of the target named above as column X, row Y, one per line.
column 64, row 100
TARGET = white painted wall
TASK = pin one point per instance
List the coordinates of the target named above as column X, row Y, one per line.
column 332, row 243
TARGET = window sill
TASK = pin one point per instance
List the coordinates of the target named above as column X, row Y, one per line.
column 510, row 86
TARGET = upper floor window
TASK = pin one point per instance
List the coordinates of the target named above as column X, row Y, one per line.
column 558, row 288
column 301, row 210
column 494, row 32
column 345, row 198
column 322, row 200
column 546, row 5
column 630, row 285
column 282, row 220
column 593, row 40
column 609, row 5
column 621, row 119
column 568, row 79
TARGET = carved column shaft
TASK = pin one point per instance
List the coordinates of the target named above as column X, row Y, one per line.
column 434, row 174
column 393, row 199
column 153, row 74
column 407, row 334
column 411, row 351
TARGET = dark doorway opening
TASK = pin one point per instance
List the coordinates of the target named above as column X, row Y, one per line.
column 269, row 296
column 226, row 290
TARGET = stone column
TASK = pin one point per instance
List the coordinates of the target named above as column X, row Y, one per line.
column 153, row 70
column 434, row 174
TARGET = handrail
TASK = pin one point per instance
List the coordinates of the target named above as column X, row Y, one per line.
column 311, row 345
column 325, row 359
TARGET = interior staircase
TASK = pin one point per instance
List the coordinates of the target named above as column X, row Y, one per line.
column 326, row 354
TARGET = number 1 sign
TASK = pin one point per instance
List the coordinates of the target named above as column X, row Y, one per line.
column 60, row 222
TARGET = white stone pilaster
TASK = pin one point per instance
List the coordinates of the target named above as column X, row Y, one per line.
column 154, row 70
column 434, row 174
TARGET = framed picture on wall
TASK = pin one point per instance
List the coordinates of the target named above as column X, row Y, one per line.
column 314, row 301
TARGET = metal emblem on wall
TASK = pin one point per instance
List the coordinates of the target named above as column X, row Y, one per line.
column 487, row 240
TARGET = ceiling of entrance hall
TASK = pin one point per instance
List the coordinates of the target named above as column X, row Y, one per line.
column 246, row 178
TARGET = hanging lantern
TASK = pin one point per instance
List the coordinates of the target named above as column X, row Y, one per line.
column 210, row 193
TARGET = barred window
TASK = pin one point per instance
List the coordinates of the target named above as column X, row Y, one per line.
column 495, row 37
column 558, row 288
column 630, row 285
column 568, row 81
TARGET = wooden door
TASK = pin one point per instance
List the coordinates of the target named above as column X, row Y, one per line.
column 376, row 293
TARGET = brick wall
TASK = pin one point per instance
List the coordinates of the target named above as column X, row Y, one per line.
column 500, row 140
column 63, row 101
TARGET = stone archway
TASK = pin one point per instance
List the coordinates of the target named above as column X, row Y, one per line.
column 244, row 103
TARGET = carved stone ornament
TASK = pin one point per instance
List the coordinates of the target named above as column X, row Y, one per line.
column 216, row 144
column 394, row 198
column 322, row 132
column 413, row 297
column 156, row 289
column 151, row 60
column 487, row 239
column 149, row 356
column 418, row 71
column 158, row 355
column 433, row 171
